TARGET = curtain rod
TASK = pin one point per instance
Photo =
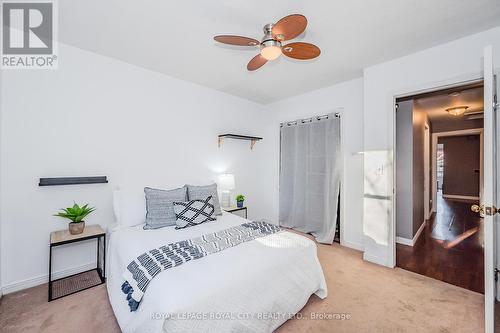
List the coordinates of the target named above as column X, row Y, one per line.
column 308, row 120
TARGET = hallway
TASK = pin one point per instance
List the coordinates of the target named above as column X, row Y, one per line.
column 450, row 248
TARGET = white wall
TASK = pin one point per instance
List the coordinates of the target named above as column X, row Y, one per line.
column 445, row 64
column 347, row 99
column 98, row 116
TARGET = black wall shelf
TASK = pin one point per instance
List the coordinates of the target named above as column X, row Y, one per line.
column 252, row 139
column 72, row 181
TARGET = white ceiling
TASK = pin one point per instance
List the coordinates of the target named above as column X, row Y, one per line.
column 436, row 106
column 175, row 37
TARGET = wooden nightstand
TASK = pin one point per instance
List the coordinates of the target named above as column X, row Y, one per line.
column 240, row 211
column 77, row 282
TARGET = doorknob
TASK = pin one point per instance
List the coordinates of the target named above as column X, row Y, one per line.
column 490, row 211
column 478, row 209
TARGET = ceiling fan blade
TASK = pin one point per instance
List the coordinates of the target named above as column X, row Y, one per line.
column 301, row 51
column 257, row 62
column 236, row 40
column 289, row 27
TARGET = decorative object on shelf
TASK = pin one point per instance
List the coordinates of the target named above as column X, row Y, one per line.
column 252, row 139
column 72, row 181
column 226, row 184
column 240, row 198
column 76, row 214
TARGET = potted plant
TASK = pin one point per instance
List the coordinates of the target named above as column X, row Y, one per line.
column 239, row 200
column 76, row 214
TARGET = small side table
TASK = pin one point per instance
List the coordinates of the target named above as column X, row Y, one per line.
column 240, row 211
column 77, row 282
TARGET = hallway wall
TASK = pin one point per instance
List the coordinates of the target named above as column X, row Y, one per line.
column 404, row 170
column 420, row 118
column 448, row 126
column 410, row 124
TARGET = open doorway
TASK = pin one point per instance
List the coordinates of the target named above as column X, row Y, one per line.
column 439, row 164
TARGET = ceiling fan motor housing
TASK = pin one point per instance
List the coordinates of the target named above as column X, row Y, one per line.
column 268, row 34
column 268, row 39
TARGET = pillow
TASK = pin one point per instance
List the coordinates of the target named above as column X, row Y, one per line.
column 194, row 212
column 129, row 207
column 202, row 192
column 160, row 206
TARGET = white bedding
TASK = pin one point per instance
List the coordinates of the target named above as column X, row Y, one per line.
column 252, row 287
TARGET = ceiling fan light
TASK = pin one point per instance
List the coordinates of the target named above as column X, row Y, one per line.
column 457, row 110
column 270, row 49
column 270, row 52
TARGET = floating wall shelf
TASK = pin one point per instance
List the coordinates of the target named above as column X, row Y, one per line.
column 252, row 139
column 72, row 181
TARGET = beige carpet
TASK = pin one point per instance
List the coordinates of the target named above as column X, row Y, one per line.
column 370, row 298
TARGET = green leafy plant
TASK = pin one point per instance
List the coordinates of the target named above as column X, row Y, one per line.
column 240, row 197
column 76, row 213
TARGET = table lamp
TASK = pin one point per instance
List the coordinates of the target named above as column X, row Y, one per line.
column 226, row 184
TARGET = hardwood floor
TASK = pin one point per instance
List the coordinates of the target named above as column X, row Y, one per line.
column 450, row 248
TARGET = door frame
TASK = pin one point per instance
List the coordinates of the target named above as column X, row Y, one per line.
column 435, row 138
column 472, row 78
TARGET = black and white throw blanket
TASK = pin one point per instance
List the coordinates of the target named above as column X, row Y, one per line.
column 145, row 267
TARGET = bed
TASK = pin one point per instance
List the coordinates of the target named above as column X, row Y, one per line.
column 253, row 287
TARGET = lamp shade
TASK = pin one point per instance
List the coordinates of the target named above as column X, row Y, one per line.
column 226, row 182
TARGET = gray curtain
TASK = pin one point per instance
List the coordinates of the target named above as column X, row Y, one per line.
column 310, row 170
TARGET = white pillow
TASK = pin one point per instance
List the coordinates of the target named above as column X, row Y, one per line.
column 129, row 207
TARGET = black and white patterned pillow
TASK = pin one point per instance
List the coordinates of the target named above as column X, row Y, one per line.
column 194, row 212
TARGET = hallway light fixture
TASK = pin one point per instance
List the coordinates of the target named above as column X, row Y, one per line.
column 457, row 110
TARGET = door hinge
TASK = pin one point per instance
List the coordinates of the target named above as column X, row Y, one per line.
column 496, row 274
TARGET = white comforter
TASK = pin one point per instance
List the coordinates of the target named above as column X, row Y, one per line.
column 253, row 287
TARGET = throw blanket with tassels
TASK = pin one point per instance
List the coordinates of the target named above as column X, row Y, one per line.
column 145, row 267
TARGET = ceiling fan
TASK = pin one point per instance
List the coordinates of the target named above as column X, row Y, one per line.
column 289, row 27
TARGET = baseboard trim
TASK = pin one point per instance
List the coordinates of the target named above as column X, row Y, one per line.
column 404, row 241
column 413, row 241
column 36, row 281
column 351, row 245
column 419, row 232
column 461, row 197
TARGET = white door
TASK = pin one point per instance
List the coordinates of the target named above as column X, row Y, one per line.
column 490, row 189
